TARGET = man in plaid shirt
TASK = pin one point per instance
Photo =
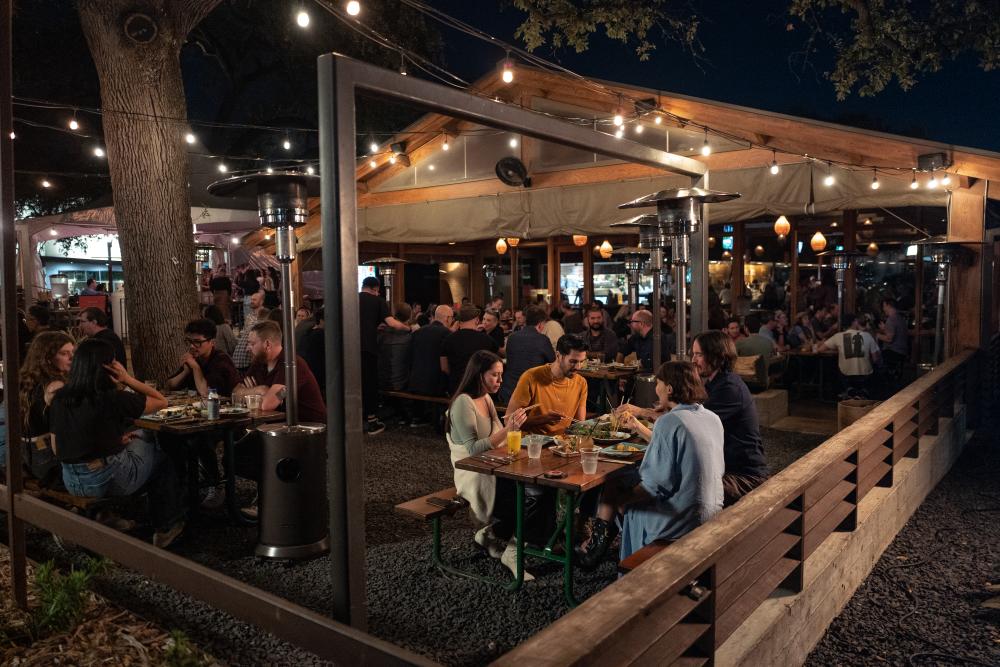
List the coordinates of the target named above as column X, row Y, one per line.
column 241, row 355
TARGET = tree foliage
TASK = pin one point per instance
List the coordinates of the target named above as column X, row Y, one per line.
column 871, row 43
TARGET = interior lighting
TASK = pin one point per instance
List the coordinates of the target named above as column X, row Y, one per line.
column 657, row 120
column 782, row 226
column 513, row 142
column 868, row 221
column 775, row 169
column 579, row 240
column 607, row 249
column 302, row 18
column 873, row 249
column 817, row 242
column 353, row 7
column 98, row 151
column 508, row 69
column 875, row 184
column 513, row 241
column 759, row 251
column 913, row 181
column 46, row 184
column 501, row 247
column 190, row 138
column 706, row 150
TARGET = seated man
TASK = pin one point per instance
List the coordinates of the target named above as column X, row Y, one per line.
column 203, row 367
column 555, row 393
column 756, row 343
column 857, row 355
column 94, row 324
column 641, row 341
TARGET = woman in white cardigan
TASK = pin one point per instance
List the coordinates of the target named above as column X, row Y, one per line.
column 472, row 427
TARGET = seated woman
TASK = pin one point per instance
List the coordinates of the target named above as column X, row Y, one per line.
column 101, row 453
column 802, row 331
column 678, row 486
column 43, row 373
column 473, row 427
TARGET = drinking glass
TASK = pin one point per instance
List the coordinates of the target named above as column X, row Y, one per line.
column 513, row 443
column 588, row 460
column 534, row 447
column 253, row 402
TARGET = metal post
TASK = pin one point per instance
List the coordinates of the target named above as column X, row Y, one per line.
column 286, row 255
column 11, row 344
column 656, row 267
column 345, row 451
column 941, row 279
column 111, row 272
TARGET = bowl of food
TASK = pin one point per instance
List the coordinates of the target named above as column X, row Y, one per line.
column 605, row 438
column 622, row 450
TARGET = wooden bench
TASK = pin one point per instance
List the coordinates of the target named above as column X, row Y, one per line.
column 85, row 505
column 642, row 555
column 420, row 508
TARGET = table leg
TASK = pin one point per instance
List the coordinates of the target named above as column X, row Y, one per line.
column 569, row 520
column 232, row 505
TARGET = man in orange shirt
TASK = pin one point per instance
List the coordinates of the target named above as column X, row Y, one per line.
column 559, row 394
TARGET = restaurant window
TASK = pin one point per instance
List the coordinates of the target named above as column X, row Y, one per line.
column 571, row 277
column 611, row 283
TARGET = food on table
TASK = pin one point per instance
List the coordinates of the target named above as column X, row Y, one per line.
column 627, row 448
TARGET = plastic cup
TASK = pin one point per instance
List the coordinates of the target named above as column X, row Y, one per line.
column 588, row 460
column 513, row 443
column 534, row 448
column 253, row 402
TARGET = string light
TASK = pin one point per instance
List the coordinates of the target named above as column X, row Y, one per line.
column 775, row 169
column 638, row 128
column 706, row 150
column 392, row 159
column 190, row 138
column 269, row 169
column 913, row 181
column 946, row 179
column 933, row 182
column 286, row 144
column 875, row 184
column 619, row 133
column 223, row 168
column 310, row 170
column 445, row 146
column 373, row 147
column 373, row 164
column 98, row 151
column 508, row 69
column 619, row 117
column 829, row 180
column 12, row 135
column 657, row 120
column 73, row 125
column 46, row 183
column 402, row 64
column 353, row 7
column 302, row 18
column 513, row 142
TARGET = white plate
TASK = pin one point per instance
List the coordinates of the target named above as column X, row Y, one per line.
column 234, row 410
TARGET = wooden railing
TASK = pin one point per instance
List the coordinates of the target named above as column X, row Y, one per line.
column 749, row 550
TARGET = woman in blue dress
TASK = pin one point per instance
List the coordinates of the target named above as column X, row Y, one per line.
column 678, row 486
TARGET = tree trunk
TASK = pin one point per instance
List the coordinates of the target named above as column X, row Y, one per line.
column 142, row 96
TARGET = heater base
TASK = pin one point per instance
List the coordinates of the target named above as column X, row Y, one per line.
column 293, row 552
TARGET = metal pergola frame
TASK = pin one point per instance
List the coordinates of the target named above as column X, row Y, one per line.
column 340, row 81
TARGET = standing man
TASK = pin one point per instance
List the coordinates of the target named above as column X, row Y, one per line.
column 491, row 327
column 457, row 348
column 241, row 355
column 222, row 291
column 526, row 348
column 373, row 312
column 94, row 324
column 558, row 393
column 426, row 377
column 90, row 289
column 857, row 356
column 894, row 337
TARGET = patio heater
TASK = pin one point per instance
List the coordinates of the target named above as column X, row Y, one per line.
column 292, row 485
column 635, row 263
column 387, row 269
column 944, row 254
column 678, row 216
column 842, row 260
column 651, row 240
column 490, row 272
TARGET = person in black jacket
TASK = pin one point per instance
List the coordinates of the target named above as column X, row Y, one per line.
column 426, row 377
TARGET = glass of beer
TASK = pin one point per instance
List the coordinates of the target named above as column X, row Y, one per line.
column 513, row 443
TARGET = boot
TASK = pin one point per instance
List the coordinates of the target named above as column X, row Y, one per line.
column 602, row 534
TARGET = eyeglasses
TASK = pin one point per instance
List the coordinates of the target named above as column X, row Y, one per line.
column 196, row 341
column 635, row 321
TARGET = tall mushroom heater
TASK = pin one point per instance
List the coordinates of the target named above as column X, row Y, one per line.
column 678, row 216
column 635, row 263
column 292, row 487
column 387, row 269
column 841, row 262
column 652, row 241
column 490, row 273
column 944, row 254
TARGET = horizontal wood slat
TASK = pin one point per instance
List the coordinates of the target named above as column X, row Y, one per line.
column 903, row 416
column 876, row 439
column 672, row 645
column 833, row 476
column 903, row 448
column 874, row 458
column 738, row 612
column 689, row 662
column 815, row 514
column 872, row 478
column 743, row 551
column 822, row 530
column 729, row 591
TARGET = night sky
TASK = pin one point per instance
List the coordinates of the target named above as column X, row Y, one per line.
column 747, row 53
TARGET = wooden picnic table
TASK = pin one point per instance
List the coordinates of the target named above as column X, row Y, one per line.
column 820, row 359
column 524, row 471
column 608, row 377
column 229, row 425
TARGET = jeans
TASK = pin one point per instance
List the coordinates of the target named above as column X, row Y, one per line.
column 141, row 463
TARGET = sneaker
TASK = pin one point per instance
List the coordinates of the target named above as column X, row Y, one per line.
column 374, row 427
column 164, row 539
column 509, row 558
column 215, row 498
column 484, row 538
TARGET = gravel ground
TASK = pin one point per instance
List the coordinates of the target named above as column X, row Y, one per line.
column 409, row 603
column 921, row 605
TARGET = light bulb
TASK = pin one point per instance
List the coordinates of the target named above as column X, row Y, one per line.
column 657, row 120
column 46, row 184
column 445, row 146
column 946, row 180
column 638, row 128
column 310, row 170
column 302, row 18
column 508, row 71
column 53, row 232
column 98, row 151
column 373, row 147
column 354, row 7
column 619, row 133
column 373, row 164
column 286, row 144
column 775, row 169
column 933, row 182
column 875, row 184
column 618, row 120
column 829, row 180
column 606, row 250
column 392, row 159
column 223, row 168
column 706, row 150
column 12, row 135
column 913, row 181
column 269, row 169
column 431, row 167
column 73, row 125
column 190, row 138
column 513, row 142
column 236, row 239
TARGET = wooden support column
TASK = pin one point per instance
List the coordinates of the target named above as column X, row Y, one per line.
column 588, row 274
column 918, row 310
column 966, row 222
column 514, row 298
column 850, row 226
column 399, row 288
column 738, row 279
column 296, row 272
column 553, row 270
column 793, row 244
